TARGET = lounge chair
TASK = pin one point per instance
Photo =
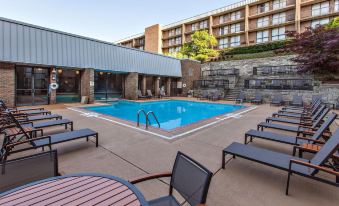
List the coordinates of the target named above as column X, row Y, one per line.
column 149, row 94
column 292, row 165
column 292, row 140
column 298, row 129
column 39, row 118
column 297, row 101
column 297, row 114
column 2, row 104
column 337, row 104
column 204, row 95
column 258, row 99
column 163, row 94
column 28, row 111
column 312, row 109
column 304, row 107
column 321, row 112
column 215, row 96
column 189, row 178
column 277, row 100
column 241, row 98
column 24, row 170
column 140, row 96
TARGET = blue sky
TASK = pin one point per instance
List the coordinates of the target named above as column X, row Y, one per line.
column 105, row 19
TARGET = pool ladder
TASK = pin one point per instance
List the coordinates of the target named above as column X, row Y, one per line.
column 148, row 122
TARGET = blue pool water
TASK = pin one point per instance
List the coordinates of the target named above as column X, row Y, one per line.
column 170, row 113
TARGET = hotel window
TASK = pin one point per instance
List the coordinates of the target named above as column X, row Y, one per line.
column 319, row 22
column 178, row 40
column 177, row 31
column 321, row 8
column 204, row 24
column 223, row 43
column 223, row 19
column 263, row 7
column 336, row 5
column 279, row 18
column 177, row 49
column 171, row 42
column 262, row 36
column 141, row 41
column 195, row 26
column 171, row 50
column 223, row 30
column 235, row 28
column 171, row 33
column 278, row 34
column 263, row 21
column 141, row 47
column 235, row 15
column 278, row 4
column 235, row 41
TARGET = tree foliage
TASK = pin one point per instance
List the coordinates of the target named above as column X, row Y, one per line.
column 200, row 47
column 317, row 49
column 333, row 24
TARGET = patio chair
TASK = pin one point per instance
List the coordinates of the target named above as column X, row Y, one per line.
column 323, row 110
column 28, row 112
column 292, row 165
column 149, row 94
column 258, row 99
column 292, row 140
column 304, row 110
column 241, row 98
column 24, row 170
column 140, row 96
column 204, row 95
column 298, row 129
column 189, row 178
column 297, row 101
column 337, row 104
column 277, row 100
column 39, row 118
column 163, row 94
column 2, row 103
column 215, row 96
column 304, row 107
column 297, row 114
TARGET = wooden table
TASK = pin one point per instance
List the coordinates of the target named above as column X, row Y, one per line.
column 80, row 189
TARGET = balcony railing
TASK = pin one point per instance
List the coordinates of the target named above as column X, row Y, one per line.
column 272, row 22
column 270, row 8
column 227, row 19
column 275, row 70
column 220, row 31
column 211, row 84
column 279, row 84
column 318, row 13
column 221, row 72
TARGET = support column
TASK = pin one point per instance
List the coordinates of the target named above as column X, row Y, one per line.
column 143, row 84
column 247, row 12
column 7, row 84
column 52, row 92
column 87, row 84
column 157, row 86
column 297, row 15
column 168, row 86
column 131, row 86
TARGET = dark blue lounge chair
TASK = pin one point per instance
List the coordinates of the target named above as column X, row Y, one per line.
column 292, row 165
column 277, row 99
column 258, row 99
column 241, row 98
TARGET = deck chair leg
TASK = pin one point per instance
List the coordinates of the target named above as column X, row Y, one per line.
column 245, row 139
column 96, row 140
column 71, row 126
column 87, row 139
column 66, row 127
column 223, row 160
column 288, row 182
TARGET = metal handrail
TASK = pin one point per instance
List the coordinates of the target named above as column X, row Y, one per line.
column 143, row 111
column 147, row 119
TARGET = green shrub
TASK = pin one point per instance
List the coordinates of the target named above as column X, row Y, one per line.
column 257, row 48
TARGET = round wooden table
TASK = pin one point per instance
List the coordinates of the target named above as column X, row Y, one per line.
column 79, row 189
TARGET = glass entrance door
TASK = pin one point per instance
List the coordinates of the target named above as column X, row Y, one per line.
column 31, row 86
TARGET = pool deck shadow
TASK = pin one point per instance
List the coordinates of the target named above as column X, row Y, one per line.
column 129, row 153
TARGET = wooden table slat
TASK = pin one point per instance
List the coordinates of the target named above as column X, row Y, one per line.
column 126, row 201
column 89, row 197
column 119, row 192
column 38, row 197
column 70, row 195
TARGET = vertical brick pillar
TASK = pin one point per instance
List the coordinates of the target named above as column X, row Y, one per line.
column 168, row 86
column 143, row 85
column 7, row 84
column 52, row 94
column 87, row 84
column 157, row 86
column 131, row 86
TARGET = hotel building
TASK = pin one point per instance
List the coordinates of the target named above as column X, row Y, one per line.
column 240, row 24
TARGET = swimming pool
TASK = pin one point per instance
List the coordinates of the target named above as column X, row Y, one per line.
column 170, row 113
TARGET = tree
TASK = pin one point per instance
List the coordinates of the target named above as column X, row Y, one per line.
column 333, row 24
column 317, row 49
column 201, row 46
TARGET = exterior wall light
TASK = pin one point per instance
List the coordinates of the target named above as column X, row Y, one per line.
column 60, row 71
column 77, row 72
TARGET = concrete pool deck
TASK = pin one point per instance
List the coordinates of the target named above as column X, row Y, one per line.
column 129, row 153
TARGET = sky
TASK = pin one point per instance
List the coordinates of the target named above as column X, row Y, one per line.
column 108, row 20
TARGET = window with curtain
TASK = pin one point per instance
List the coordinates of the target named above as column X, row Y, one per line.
column 262, row 36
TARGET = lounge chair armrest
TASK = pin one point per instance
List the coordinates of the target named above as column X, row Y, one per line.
column 307, row 164
column 150, row 176
column 27, row 141
column 310, row 139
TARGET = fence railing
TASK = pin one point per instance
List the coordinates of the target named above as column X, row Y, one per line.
column 221, row 72
column 279, row 84
column 275, row 70
column 211, row 84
